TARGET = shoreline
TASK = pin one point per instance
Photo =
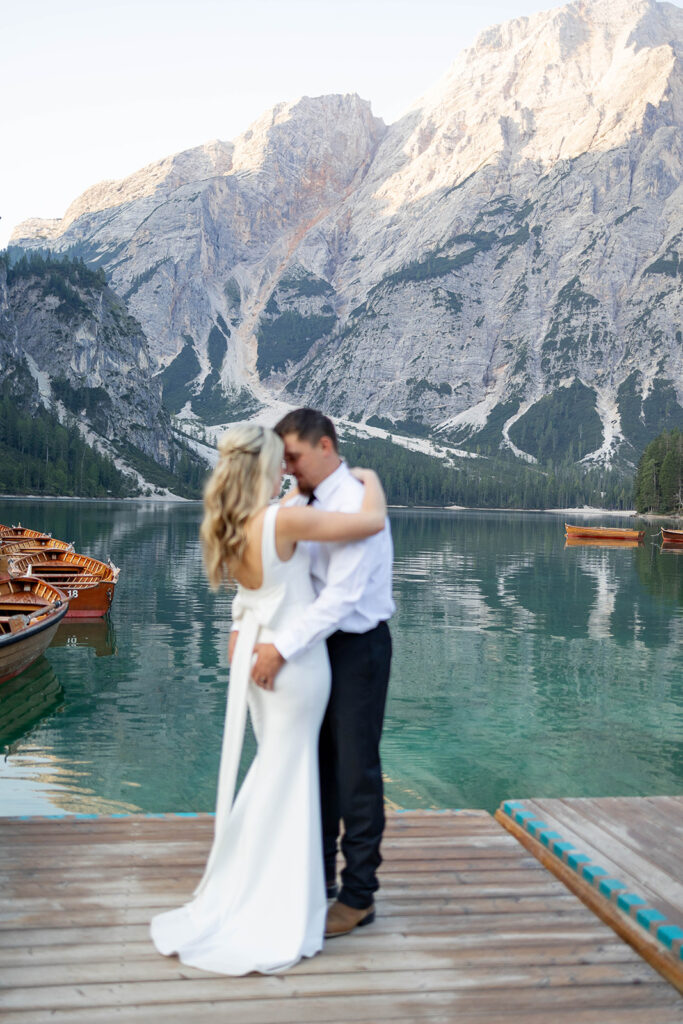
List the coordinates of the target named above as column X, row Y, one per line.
column 169, row 499
column 173, row 499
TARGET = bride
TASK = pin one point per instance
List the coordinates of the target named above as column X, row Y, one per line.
column 261, row 904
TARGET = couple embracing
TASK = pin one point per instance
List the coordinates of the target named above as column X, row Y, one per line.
column 310, row 657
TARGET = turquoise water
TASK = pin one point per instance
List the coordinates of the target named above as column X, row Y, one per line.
column 522, row 668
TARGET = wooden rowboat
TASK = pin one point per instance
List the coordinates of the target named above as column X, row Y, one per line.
column 603, row 532
column 20, row 531
column 87, row 583
column 672, row 536
column 30, row 611
column 11, row 545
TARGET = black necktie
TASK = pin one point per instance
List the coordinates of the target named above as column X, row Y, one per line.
column 311, row 498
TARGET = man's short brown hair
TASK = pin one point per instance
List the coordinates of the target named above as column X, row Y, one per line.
column 308, row 425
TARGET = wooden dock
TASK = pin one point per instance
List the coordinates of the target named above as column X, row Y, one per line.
column 623, row 857
column 470, row 929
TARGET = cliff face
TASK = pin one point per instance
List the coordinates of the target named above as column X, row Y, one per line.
column 501, row 265
column 195, row 243
column 67, row 341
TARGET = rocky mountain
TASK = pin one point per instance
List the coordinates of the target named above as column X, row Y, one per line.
column 68, row 343
column 500, row 267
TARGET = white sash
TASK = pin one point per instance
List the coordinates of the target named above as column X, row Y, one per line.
column 251, row 620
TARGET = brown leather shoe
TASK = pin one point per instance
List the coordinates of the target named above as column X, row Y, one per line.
column 342, row 919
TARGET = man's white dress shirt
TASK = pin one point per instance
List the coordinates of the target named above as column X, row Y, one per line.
column 352, row 581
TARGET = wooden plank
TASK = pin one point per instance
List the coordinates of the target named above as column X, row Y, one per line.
column 667, row 811
column 587, row 937
column 606, row 851
column 524, row 1007
column 167, row 888
column 150, row 852
column 433, row 913
column 203, row 987
column 468, row 926
column 566, row 914
column 600, row 829
column 637, row 937
column 149, row 967
column 642, row 837
column 512, row 861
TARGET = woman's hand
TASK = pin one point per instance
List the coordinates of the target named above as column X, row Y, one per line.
column 268, row 663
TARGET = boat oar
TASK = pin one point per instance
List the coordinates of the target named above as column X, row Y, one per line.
column 21, row 619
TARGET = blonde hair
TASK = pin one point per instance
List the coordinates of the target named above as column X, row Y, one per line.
column 241, row 483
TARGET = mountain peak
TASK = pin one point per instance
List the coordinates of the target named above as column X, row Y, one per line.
column 553, row 86
column 299, row 133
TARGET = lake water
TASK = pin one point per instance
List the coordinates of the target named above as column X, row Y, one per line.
column 521, row 668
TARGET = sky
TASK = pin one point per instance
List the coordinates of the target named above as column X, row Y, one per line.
column 96, row 89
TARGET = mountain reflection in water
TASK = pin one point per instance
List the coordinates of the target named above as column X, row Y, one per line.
column 521, row 667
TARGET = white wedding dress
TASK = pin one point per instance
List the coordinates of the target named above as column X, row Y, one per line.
column 261, row 904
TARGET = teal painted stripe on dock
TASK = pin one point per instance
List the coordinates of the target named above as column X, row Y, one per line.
column 523, row 816
column 648, row 916
column 510, row 806
column 592, row 871
column 652, row 920
column 608, row 886
column 559, row 849
column 576, row 861
column 628, row 900
column 670, row 933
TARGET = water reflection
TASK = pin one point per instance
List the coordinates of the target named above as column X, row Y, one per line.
column 521, row 667
column 660, row 574
column 99, row 634
column 526, row 668
column 26, row 700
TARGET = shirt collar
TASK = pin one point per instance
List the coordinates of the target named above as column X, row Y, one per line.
column 329, row 485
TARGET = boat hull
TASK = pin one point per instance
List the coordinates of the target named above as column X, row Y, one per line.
column 86, row 600
column 90, row 602
column 20, row 649
column 88, row 583
column 17, row 545
column 603, row 533
column 672, row 536
column 20, row 531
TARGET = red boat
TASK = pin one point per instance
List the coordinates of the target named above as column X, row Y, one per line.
column 672, row 536
column 30, row 611
column 87, row 583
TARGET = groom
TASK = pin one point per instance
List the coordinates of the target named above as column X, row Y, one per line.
column 353, row 586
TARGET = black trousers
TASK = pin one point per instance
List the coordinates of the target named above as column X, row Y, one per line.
column 350, row 771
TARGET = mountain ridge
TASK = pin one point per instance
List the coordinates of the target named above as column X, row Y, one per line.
column 513, row 238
